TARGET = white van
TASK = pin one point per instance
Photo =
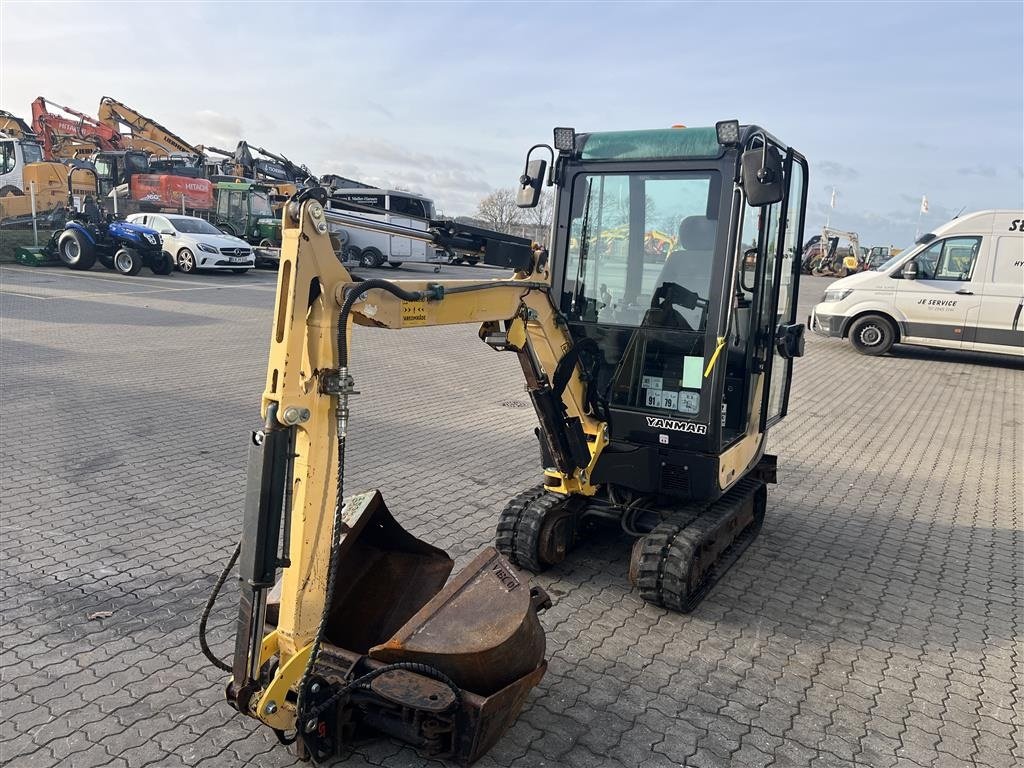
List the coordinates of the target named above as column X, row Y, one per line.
column 959, row 287
column 372, row 249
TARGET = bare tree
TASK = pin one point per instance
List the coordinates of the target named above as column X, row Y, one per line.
column 539, row 218
column 499, row 210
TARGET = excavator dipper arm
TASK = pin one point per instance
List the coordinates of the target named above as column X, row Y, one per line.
column 365, row 626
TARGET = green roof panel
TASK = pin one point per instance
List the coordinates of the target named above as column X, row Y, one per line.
column 658, row 144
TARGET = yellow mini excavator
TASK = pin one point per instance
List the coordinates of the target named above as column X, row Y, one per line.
column 654, row 386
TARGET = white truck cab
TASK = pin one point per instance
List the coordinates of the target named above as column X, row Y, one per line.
column 959, row 287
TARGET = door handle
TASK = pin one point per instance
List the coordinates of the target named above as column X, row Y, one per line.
column 965, row 292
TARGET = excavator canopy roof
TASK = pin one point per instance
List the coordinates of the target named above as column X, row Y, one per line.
column 657, row 144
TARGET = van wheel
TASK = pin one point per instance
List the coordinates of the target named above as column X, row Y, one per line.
column 872, row 335
column 75, row 251
column 353, row 254
column 394, row 264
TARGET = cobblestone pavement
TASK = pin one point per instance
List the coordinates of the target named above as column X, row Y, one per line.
column 876, row 621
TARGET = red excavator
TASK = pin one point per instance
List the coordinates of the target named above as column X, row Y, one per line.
column 119, row 169
column 64, row 138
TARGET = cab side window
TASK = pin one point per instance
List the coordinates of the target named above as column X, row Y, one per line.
column 950, row 259
column 407, row 206
column 958, row 257
column 7, row 157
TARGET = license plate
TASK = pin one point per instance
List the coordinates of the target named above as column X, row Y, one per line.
column 238, row 259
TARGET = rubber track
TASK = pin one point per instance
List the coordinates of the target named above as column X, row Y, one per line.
column 518, row 533
column 664, row 574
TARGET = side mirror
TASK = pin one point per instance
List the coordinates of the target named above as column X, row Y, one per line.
column 910, row 270
column 166, row 231
column 789, row 340
column 762, row 176
column 749, row 267
column 530, row 184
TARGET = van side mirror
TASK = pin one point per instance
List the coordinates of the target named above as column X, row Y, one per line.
column 762, row 176
column 910, row 270
column 530, row 184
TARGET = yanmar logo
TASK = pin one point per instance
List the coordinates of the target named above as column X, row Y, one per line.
column 677, row 426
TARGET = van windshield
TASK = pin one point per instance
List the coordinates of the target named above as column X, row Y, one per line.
column 893, row 259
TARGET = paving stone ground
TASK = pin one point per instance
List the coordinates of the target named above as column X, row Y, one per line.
column 875, row 622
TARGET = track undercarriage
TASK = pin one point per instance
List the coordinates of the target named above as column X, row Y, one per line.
column 681, row 550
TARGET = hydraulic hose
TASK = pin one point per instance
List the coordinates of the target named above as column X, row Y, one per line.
column 339, row 502
column 207, row 651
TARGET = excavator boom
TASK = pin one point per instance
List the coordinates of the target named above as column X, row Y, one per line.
column 144, row 132
column 63, row 138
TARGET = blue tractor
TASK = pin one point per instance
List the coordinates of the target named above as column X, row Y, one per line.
column 91, row 236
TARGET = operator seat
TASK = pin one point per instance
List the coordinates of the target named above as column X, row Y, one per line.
column 92, row 211
column 689, row 266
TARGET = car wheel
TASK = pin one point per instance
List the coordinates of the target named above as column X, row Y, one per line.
column 75, row 251
column 127, row 262
column 872, row 335
column 353, row 254
column 371, row 257
column 394, row 264
column 266, row 243
column 240, row 271
column 186, row 261
column 163, row 264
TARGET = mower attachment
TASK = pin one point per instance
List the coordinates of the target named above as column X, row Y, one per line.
column 444, row 668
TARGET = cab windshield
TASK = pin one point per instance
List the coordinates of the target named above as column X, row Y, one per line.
column 33, row 153
column 641, row 249
column 261, row 204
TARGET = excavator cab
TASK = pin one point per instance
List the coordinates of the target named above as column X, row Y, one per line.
column 686, row 361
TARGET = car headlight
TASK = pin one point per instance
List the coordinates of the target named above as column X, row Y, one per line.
column 207, row 248
column 837, row 294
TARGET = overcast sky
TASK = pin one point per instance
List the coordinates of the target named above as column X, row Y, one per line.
column 889, row 101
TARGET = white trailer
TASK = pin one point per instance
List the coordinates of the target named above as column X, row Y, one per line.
column 391, row 206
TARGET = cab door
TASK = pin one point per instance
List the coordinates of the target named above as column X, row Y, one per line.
column 398, row 214
column 999, row 325
column 784, row 267
column 8, row 165
column 938, row 307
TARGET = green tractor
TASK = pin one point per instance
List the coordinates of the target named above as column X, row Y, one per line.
column 243, row 209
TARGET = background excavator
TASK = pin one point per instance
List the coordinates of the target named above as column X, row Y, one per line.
column 139, row 180
column 825, row 257
column 143, row 133
column 24, row 171
column 654, row 387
